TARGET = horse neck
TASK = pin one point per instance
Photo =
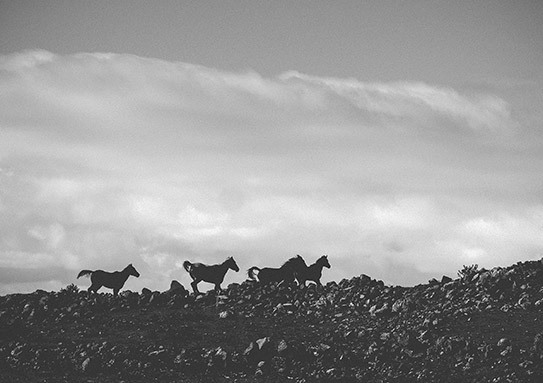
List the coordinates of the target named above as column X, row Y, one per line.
column 125, row 273
column 224, row 266
column 317, row 266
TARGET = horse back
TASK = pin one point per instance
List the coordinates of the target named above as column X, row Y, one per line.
column 196, row 269
column 108, row 279
column 270, row 274
column 208, row 273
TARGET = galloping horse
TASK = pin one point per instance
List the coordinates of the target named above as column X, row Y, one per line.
column 287, row 272
column 113, row 280
column 313, row 272
column 209, row 273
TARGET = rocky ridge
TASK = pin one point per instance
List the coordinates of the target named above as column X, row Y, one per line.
column 485, row 326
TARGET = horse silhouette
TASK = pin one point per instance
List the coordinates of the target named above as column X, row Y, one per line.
column 286, row 273
column 114, row 280
column 313, row 272
column 209, row 273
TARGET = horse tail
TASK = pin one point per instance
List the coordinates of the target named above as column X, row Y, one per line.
column 187, row 265
column 251, row 272
column 85, row 273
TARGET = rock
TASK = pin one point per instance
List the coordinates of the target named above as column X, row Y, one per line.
column 177, row 288
column 264, row 345
column 89, row 365
column 282, row 347
column 157, row 354
column 250, row 353
column 180, row 358
column 381, row 311
column 411, row 345
column 155, row 298
column 226, row 314
column 323, row 348
column 402, row 305
column 503, row 344
column 524, row 302
column 217, row 358
column 537, row 346
column 338, row 332
column 260, row 350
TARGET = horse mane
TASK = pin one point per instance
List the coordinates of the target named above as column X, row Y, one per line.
column 292, row 261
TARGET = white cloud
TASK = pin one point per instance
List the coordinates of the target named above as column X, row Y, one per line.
column 110, row 159
column 417, row 100
column 408, row 213
column 52, row 235
column 505, row 233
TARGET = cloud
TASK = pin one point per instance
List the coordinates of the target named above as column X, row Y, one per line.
column 110, row 159
column 417, row 100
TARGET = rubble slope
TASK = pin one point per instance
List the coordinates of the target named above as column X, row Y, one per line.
column 484, row 326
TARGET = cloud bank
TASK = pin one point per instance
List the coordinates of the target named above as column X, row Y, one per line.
column 110, row 159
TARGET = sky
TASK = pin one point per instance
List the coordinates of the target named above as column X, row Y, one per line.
column 401, row 138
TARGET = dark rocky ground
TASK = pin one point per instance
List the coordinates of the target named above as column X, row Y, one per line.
column 485, row 326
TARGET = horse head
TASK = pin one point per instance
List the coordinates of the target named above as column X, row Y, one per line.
column 132, row 271
column 324, row 261
column 231, row 263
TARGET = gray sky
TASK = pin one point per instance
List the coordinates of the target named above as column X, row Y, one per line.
column 403, row 139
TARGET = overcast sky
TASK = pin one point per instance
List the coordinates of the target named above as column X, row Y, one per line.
column 402, row 138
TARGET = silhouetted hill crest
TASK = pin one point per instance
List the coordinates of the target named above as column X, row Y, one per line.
column 485, row 325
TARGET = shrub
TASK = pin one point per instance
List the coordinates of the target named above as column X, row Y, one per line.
column 71, row 289
column 468, row 272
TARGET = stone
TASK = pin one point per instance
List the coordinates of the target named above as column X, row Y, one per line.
column 537, row 346
column 225, row 314
column 325, row 333
column 88, row 365
column 282, row 347
column 250, row 353
column 177, row 288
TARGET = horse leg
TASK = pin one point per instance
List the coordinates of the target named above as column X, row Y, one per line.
column 194, row 285
column 94, row 288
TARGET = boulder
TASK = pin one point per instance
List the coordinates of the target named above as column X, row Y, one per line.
column 177, row 288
